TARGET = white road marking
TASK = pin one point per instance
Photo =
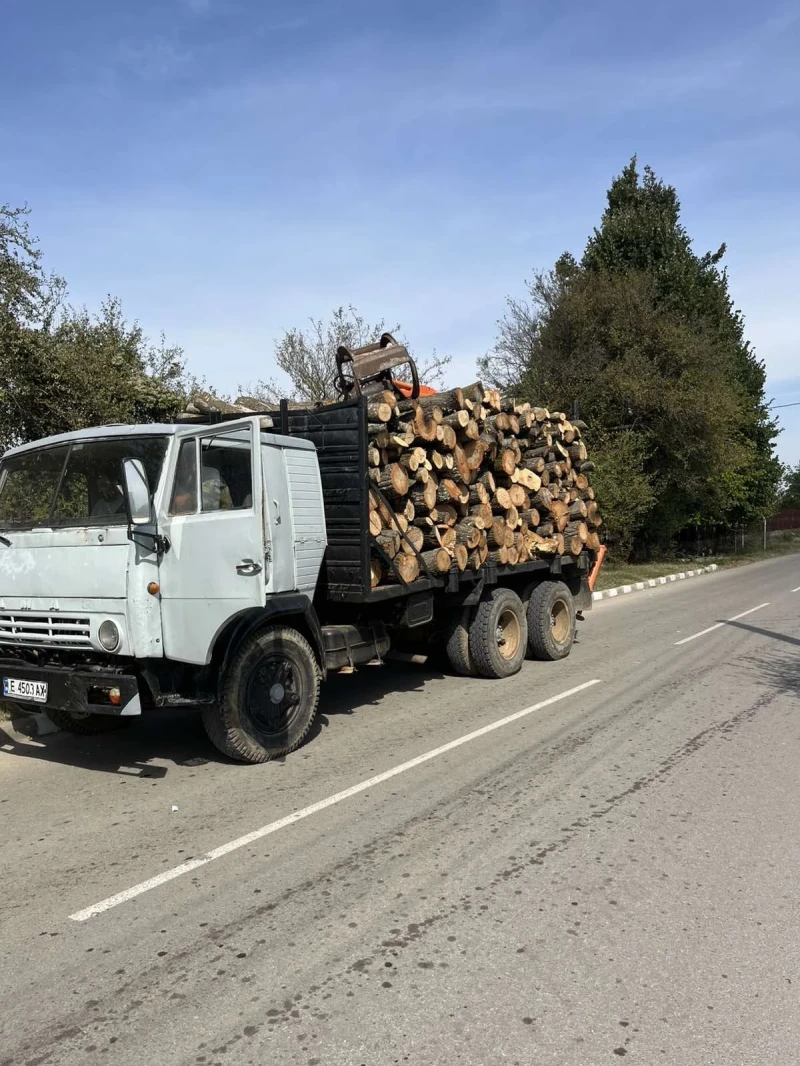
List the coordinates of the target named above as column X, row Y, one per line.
column 797, row 589
column 314, row 808
column 710, row 629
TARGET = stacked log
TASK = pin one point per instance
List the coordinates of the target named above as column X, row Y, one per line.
column 463, row 477
column 475, row 477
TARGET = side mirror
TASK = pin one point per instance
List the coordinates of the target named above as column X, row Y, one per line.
column 137, row 492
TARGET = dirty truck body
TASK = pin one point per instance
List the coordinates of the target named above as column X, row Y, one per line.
column 226, row 566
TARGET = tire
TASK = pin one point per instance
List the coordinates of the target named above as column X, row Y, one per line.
column 498, row 635
column 85, row 724
column 457, row 643
column 268, row 697
column 551, row 620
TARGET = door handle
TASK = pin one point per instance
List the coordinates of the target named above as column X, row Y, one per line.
column 248, row 568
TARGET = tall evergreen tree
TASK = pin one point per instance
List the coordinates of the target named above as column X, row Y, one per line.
column 641, row 230
column 642, row 332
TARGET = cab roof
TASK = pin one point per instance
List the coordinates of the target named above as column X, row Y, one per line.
column 153, row 429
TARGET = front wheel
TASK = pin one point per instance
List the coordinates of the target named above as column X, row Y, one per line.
column 84, row 724
column 551, row 620
column 268, row 699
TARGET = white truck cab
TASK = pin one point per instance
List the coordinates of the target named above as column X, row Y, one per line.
column 127, row 551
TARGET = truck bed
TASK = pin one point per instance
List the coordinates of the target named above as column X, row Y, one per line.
column 339, row 434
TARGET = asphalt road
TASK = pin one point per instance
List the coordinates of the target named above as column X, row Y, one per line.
column 615, row 874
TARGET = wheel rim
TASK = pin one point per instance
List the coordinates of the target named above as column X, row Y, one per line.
column 273, row 696
column 508, row 634
column 559, row 622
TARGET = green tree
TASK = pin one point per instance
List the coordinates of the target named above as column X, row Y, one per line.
column 642, row 333
column 307, row 357
column 656, row 395
column 641, row 231
column 62, row 368
column 789, row 495
column 27, row 294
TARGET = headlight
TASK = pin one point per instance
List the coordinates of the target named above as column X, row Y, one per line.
column 108, row 635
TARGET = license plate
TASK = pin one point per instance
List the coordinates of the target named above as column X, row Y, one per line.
column 18, row 689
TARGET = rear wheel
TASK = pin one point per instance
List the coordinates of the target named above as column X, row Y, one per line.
column 457, row 643
column 498, row 635
column 269, row 697
column 84, row 724
column 551, row 620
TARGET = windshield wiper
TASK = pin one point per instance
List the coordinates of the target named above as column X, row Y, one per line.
column 5, row 540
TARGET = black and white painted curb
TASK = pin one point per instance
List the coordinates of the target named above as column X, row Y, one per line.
column 652, row 583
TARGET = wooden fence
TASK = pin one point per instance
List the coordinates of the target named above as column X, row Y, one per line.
column 786, row 519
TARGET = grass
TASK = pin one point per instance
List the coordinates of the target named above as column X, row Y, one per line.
column 614, row 573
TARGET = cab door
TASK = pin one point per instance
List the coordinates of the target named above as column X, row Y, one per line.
column 216, row 565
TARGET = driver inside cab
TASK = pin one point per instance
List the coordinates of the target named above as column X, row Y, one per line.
column 110, row 498
column 216, row 495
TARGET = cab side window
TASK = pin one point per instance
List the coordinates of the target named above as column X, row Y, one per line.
column 226, row 477
column 184, row 489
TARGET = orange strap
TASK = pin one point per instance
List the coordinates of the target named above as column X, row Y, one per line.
column 406, row 389
column 596, row 568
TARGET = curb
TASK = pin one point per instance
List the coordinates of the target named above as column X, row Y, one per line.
column 653, row 582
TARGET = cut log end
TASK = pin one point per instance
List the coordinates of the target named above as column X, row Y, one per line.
column 405, row 569
column 467, row 475
column 375, row 572
column 412, row 540
column 436, row 561
column 461, row 556
column 394, row 481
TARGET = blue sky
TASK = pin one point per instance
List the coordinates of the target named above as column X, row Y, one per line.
column 230, row 168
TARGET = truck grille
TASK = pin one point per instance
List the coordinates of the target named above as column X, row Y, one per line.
column 44, row 631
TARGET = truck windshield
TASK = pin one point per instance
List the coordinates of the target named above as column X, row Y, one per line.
column 75, row 484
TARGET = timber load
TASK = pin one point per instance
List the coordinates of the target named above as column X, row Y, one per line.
column 460, row 478
column 467, row 475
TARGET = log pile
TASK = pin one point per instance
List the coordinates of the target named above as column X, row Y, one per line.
column 202, row 404
column 465, row 476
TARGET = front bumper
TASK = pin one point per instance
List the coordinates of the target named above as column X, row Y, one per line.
column 76, row 691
